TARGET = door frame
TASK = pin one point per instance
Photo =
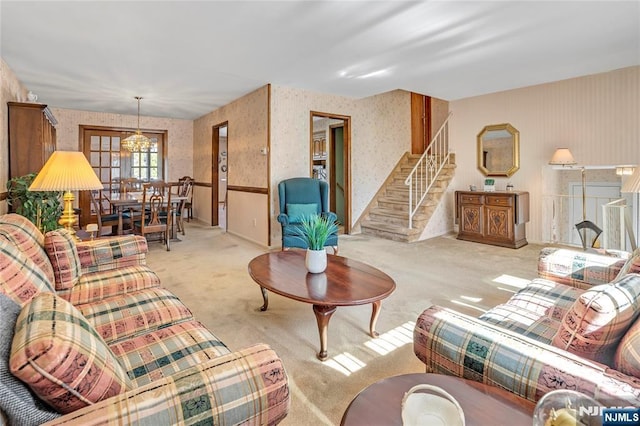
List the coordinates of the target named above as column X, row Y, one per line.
column 84, row 146
column 346, row 119
column 215, row 175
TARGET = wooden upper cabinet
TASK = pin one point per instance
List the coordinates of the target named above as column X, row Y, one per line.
column 32, row 137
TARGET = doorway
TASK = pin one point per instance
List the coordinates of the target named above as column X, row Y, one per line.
column 112, row 163
column 219, row 171
column 330, row 161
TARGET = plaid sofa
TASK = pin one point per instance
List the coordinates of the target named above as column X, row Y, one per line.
column 91, row 337
column 577, row 329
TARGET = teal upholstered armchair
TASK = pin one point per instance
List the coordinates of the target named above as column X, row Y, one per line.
column 300, row 197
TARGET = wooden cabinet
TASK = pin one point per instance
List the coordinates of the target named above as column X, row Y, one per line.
column 32, row 137
column 496, row 218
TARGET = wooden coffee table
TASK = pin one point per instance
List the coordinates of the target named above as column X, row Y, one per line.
column 345, row 282
column 381, row 403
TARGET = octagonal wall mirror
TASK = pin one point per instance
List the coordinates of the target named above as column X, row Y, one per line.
column 499, row 150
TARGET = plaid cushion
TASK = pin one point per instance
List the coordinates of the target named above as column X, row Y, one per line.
column 166, row 351
column 598, row 319
column 112, row 253
column 449, row 342
column 121, row 317
column 60, row 246
column 102, row 285
column 577, row 268
column 522, row 321
column 632, row 265
column 546, row 298
column 247, row 387
column 61, row 357
column 28, row 239
column 21, row 278
column 627, row 359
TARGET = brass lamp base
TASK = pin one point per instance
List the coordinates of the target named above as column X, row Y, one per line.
column 68, row 218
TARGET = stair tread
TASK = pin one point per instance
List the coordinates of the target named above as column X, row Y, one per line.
column 396, row 213
column 389, row 227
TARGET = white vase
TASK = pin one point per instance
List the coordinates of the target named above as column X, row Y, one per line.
column 316, row 261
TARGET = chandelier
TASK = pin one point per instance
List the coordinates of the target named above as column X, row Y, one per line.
column 137, row 141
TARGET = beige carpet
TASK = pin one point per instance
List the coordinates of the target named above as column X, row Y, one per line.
column 208, row 271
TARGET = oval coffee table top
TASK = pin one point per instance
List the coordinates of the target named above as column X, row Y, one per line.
column 346, row 282
column 381, row 402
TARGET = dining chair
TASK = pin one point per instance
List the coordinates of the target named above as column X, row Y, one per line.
column 188, row 205
column 131, row 185
column 104, row 216
column 185, row 188
column 157, row 217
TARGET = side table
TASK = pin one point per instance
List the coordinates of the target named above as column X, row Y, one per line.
column 381, row 403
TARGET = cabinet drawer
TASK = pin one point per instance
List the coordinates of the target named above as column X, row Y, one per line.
column 470, row 199
column 499, row 200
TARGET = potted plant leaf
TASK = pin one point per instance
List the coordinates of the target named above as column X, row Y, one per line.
column 315, row 230
column 42, row 208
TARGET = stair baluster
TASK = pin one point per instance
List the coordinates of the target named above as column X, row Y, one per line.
column 427, row 169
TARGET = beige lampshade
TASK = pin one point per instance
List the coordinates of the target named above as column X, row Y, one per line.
column 632, row 183
column 562, row 157
column 66, row 171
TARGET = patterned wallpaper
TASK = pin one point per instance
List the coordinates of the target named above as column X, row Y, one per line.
column 10, row 90
column 247, row 133
column 179, row 134
column 248, row 126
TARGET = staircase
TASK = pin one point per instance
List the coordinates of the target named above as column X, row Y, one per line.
column 388, row 215
column 402, row 208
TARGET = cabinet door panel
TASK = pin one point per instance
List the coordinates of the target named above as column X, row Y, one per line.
column 471, row 219
column 499, row 223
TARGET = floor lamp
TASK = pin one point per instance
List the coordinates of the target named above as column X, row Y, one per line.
column 563, row 157
column 66, row 171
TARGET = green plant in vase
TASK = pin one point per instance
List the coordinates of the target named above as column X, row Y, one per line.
column 315, row 230
column 42, row 208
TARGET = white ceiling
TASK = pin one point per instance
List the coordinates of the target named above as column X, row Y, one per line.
column 187, row 58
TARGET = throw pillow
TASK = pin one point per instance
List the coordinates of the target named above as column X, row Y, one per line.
column 61, row 249
column 597, row 320
column 298, row 212
column 28, row 239
column 20, row 278
column 627, row 358
column 62, row 358
column 16, row 399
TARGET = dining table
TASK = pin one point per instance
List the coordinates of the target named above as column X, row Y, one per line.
column 120, row 201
